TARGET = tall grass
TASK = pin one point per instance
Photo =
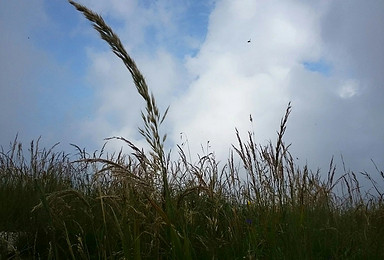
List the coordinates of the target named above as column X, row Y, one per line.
column 145, row 206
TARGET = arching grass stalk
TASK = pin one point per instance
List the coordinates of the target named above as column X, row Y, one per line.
column 151, row 117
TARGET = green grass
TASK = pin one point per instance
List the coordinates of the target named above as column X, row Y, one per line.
column 145, row 206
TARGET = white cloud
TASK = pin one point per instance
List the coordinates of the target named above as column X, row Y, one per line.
column 349, row 89
column 235, row 78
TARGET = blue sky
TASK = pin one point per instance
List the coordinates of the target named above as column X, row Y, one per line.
column 58, row 80
column 319, row 66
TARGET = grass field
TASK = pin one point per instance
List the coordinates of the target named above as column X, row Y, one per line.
column 258, row 205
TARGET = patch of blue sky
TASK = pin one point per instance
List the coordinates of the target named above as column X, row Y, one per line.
column 196, row 21
column 321, row 66
column 191, row 25
column 146, row 3
column 53, row 38
column 198, row 17
column 62, row 90
column 62, row 95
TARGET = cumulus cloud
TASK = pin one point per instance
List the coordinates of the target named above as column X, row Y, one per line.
column 332, row 113
column 235, row 78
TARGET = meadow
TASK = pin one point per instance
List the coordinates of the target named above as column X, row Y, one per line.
column 258, row 205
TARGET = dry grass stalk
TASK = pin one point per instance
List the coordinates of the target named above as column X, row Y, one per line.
column 152, row 118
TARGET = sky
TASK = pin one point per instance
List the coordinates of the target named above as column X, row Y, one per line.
column 214, row 62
